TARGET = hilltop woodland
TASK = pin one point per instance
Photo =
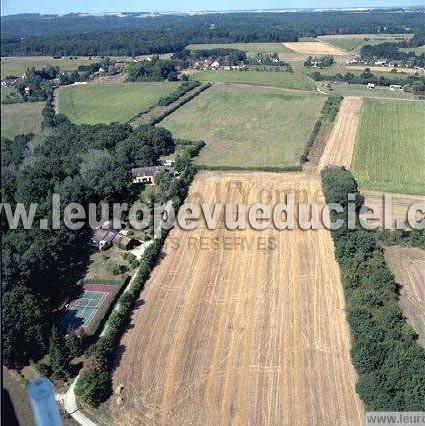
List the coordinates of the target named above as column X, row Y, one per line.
column 129, row 35
column 84, row 164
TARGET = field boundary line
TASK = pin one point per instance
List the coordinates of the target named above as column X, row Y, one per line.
column 334, row 47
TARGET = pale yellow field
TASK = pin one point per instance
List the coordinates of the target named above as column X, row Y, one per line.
column 315, row 48
column 340, row 146
column 243, row 327
column 400, row 204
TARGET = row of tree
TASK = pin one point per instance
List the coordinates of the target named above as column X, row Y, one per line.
column 385, row 353
column 411, row 83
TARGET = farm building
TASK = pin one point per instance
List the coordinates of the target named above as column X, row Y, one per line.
column 167, row 163
column 105, row 238
column 370, row 86
column 147, row 174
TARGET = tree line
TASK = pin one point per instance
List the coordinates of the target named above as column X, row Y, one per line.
column 411, row 83
column 385, row 353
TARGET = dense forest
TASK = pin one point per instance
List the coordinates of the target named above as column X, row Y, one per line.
column 136, row 34
column 40, row 267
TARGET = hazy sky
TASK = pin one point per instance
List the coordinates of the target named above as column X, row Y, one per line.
column 64, row 6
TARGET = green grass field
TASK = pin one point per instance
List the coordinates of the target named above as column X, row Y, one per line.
column 105, row 103
column 17, row 65
column 354, row 42
column 249, row 48
column 247, row 126
column 390, row 151
column 20, row 118
column 9, row 95
column 337, row 68
column 418, row 50
column 377, row 92
column 262, row 78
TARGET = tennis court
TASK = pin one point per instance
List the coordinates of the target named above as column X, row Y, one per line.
column 81, row 311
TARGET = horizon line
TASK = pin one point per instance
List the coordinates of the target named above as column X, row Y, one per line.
column 200, row 11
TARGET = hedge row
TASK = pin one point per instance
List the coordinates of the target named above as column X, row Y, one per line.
column 95, row 384
column 413, row 238
column 389, row 362
column 258, row 169
column 331, row 107
column 181, row 90
column 328, row 113
column 311, row 139
column 160, row 117
column 100, row 281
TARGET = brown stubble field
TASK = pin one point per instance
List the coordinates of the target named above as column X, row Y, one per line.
column 247, row 330
column 314, row 48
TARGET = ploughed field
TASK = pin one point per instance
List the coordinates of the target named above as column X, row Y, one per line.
column 390, row 152
column 106, row 103
column 241, row 327
column 247, row 126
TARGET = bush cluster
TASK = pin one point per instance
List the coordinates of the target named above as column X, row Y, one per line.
column 390, row 363
column 331, row 107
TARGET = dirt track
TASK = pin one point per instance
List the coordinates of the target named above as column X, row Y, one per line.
column 241, row 331
column 340, row 147
column 315, row 48
column 408, row 266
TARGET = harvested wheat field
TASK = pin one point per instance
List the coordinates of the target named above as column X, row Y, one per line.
column 241, row 327
column 400, row 204
column 408, row 266
column 315, row 48
column 340, row 147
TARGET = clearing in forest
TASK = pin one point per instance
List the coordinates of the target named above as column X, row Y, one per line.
column 21, row 117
